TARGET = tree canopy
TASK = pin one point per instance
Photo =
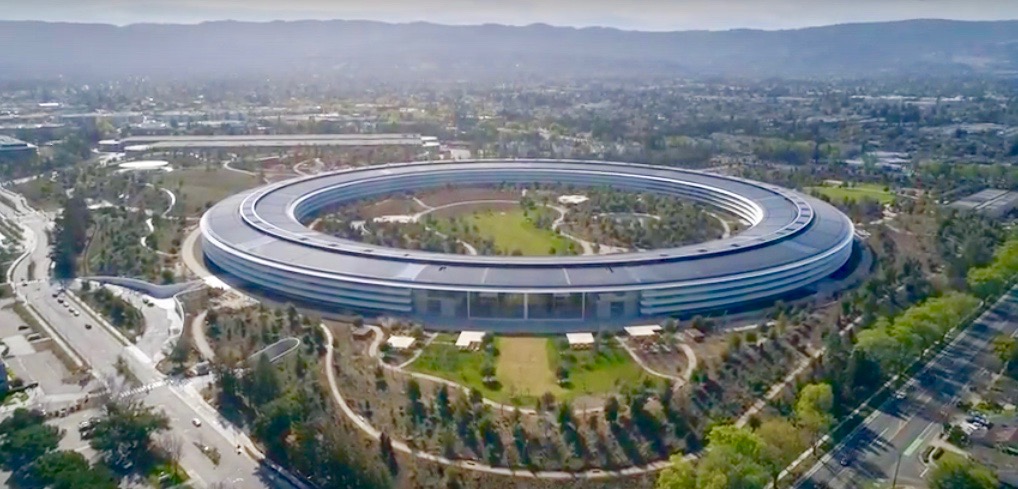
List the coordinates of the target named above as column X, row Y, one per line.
column 956, row 472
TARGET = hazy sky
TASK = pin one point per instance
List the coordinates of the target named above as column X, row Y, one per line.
column 627, row 14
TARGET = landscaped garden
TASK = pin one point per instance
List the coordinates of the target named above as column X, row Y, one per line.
column 856, row 192
column 515, row 232
column 520, row 370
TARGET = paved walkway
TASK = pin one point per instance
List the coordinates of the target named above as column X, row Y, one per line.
column 686, row 374
column 226, row 166
column 370, row 430
column 198, row 337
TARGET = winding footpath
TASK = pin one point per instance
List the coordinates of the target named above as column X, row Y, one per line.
column 375, row 434
column 199, row 339
column 687, row 373
column 148, row 222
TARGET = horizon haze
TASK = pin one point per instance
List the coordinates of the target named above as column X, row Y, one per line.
column 643, row 15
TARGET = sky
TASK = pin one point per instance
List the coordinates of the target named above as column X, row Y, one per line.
column 656, row 15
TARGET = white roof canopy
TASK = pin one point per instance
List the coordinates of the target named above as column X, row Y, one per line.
column 401, row 342
column 580, row 338
column 642, row 331
column 467, row 338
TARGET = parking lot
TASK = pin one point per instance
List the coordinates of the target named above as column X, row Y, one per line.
column 30, row 357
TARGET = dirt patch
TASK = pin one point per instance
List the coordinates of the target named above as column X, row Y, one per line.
column 394, row 206
column 662, row 356
column 449, row 195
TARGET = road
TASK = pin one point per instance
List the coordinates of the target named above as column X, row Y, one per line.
column 904, row 427
column 100, row 348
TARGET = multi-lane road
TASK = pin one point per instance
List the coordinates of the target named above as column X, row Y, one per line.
column 890, row 442
column 100, row 348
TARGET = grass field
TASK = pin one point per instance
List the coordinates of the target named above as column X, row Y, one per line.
column 858, row 192
column 41, row 193
column 199, row 187
column 524, row 370
column 510, row 230
column 593, row 373
column 443, row 359
column 526, row 366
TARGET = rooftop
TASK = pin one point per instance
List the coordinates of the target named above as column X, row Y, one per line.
column 580, row 338
column 8, row 143
column 401, row 342
column 642, row 331
column 988, row 200
column 468, row 338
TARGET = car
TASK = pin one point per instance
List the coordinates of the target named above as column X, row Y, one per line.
column 75, row 313
column 845, row 461
column 88, row 325
column 87, row 425
column 23, row 327
column 899, row 395
column 60, row 300
column 196, row 422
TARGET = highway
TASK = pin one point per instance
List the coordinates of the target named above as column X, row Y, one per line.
column 901, row 428
column 100, row 348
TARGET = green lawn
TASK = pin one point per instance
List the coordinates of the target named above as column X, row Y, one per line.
column 201, row 187
column 511, row 230
column 443, row 359
column 41, row 193
column 526, row 368
column 858, row 192
column 608, row 370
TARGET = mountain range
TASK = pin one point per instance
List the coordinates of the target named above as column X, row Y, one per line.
column 367, row 49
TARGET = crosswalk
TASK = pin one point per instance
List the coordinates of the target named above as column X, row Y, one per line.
column 173, row 381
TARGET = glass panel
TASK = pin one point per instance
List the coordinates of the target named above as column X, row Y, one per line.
column 496, row 305
column 555, row 306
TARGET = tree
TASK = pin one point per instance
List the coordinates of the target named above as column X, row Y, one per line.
column 124, row 435
column 732, row 460
column 70, row 235
column 679, row 474
column 264, row 385
column 1006, row 349
column 388, row 454
column 611, row 409
column 181, row 351
column 813, row 409
column 70, row 470
column 173, row 445
column 782, row 444
column 442, row 404
column 18, row 449
column 956, row 472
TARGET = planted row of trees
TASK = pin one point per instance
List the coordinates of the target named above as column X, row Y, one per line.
column 70, row 236
column 748, row 457
column 895, row 344
column 990, row 281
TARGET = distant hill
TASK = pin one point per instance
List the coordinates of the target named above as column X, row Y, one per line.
column 411, row 51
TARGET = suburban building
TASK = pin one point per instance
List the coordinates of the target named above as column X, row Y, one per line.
column 991, row 202
column 15, row 147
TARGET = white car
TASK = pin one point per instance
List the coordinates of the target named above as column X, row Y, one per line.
column 196, row 422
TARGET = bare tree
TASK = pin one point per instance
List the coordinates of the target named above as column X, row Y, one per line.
column 173, row 445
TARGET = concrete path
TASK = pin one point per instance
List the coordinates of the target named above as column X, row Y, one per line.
column 374, row 433
column 679, row 381
column 199, row 340
column 728, row 228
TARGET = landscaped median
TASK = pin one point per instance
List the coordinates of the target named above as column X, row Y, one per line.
column 940, row 318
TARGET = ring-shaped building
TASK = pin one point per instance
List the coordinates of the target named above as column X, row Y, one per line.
column 259, row 238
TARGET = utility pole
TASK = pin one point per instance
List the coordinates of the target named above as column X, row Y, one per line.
column 897, row 465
